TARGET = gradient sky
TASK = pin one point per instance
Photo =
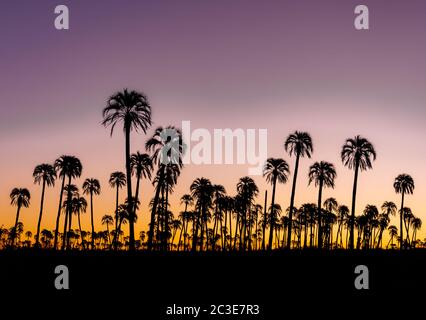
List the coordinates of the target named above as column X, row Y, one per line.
column 280, row 65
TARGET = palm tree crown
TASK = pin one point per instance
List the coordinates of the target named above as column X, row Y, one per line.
column 358, row 152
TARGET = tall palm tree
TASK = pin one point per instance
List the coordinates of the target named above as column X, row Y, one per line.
column 298, row 144
column 275, row 170
column 117, row 180
column 403, row 184
column 92, row 187
column 67, row 167
column 19, row 197
column 357, row 154
column 187, row 200
column 202, row 193
column 247, row 190
column 133, row 110
column 107, row 220
column 44, row 174
column 142, row 167
column 322, row 174
column 167, row 149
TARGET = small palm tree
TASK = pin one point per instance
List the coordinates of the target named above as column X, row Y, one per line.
column 322, row 174
column 92, row 187
column 300, row 145
column 357, row 154
column 403, row 184
column 79, row 205
column 275, row 170
column 107, row 220
column 19, row 197
column 117, row 180
column 44, row 174
column 132, row 109
column 67, row 167
column 142, row 167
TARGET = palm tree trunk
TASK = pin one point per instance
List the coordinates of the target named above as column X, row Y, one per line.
column 129, row 190
column 41, row 214
column 55, row 244
column 81, row 234
column 264, row 219
column 14, row 234
column 320, row 215
column 154, row 208
column 401, row 217
column 352, row 219
column 166, row 217
column 293, row 192
column 67, row 212
column 272, row 215
column 91, row 218
column 138, row 178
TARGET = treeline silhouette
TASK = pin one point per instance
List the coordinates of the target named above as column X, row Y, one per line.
column 212, row 220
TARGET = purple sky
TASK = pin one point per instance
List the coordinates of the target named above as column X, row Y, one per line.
column 280, row 65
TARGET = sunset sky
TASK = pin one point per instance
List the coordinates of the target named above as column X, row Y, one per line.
column 278, row 65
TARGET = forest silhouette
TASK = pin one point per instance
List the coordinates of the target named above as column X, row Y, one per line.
column 211, row 220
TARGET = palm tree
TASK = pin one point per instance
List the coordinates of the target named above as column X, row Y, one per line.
column 247, row 191
column 343, row 212
column 19, row 197
column 46, row 175
column 202, row 193
column 132, row 109
column 107, row 220
column 393, row 232
column 142, row 167
column 187, row 200
column 357, row 154
column 92, row 187
column 79, row 205
column 403, row 184
column 275, row 170
column 68, row 167
column 300, row 145
column 167, row 149
column 416, row 223
column 117, row 180
column 323, row 174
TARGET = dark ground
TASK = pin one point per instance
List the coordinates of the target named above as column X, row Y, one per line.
column 306, row 282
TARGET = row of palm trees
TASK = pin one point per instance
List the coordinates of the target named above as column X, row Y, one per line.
column 226, row 219
column 163, row 164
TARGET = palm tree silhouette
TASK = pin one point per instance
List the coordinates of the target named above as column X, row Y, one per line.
column 107, row 220
column 167, row 149
column 356, row 154
column 79, row 205
column 393, row 233
column 142, row 167
column 403, row 184
column 275, row 170
column 202, row 193
column 46, row 175
column 117, row 180
column 19, row 197
column 300, row 145
column 92, row 187
column 187, row 200
column 132, row 109
column 322, row 174
column 247, row 191
column 68, row 167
